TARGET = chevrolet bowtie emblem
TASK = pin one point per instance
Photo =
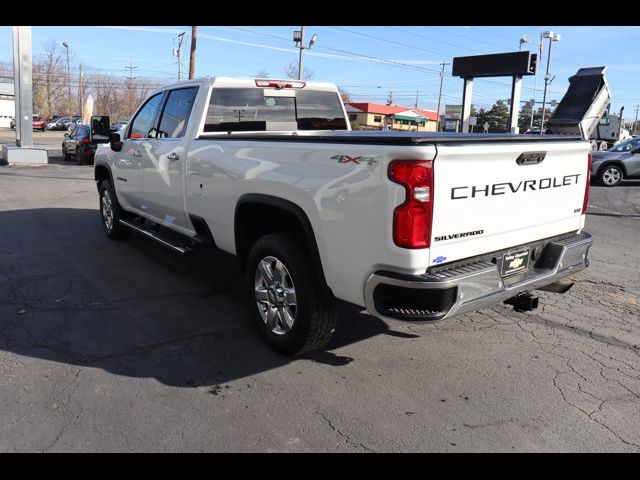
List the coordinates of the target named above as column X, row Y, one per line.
column 515, row 263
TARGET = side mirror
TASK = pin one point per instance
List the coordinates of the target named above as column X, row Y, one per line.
column 100, row 129
column 116, row 143
column 635, row 150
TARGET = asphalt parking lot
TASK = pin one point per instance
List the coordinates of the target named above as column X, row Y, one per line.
column 109, row 346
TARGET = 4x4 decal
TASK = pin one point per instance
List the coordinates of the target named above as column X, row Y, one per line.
column 347, row 159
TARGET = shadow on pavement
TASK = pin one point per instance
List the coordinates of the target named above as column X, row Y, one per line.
column 68, row 294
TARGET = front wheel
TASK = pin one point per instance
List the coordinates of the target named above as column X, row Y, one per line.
column 111, row 212
column 611, row 175
column 284, row 296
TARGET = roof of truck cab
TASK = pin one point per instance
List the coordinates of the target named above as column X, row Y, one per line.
column 247, row 82
column 250, row 82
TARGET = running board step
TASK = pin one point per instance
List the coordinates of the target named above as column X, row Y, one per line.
column 180, row 249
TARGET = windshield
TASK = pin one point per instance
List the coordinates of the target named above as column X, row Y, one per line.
column 258, row 109
column 626, row 145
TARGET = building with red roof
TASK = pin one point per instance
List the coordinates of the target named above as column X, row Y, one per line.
column 376, row 116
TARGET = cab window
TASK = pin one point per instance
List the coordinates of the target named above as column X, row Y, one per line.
column 176, row 113
column 143, row 124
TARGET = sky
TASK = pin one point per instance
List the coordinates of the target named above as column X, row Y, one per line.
column 368, row 62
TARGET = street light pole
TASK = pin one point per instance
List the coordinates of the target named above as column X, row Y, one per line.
column 298, row 38
column 68, row 82
column 553, row 37
column 301, row 56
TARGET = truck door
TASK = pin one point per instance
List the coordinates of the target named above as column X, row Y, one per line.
column 163, row 157
column 129, row 161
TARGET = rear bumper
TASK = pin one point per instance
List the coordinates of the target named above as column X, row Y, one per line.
column 475, row 283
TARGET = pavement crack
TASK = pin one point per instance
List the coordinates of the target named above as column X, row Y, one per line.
column 347, row 438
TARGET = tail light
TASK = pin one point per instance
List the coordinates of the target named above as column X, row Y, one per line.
column 86, row 140
column 412, row 220
column 586, row 188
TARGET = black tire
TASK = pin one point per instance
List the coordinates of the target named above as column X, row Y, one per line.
column 80, row 160
column 610, row 175
column 114, row 229
column 313, row 322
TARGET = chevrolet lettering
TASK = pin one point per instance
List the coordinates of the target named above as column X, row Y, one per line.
column 458, row 193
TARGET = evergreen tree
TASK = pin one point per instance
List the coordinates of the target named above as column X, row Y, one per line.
column 498, row 117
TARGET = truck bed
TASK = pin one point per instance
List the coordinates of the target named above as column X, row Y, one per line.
column 389, row 138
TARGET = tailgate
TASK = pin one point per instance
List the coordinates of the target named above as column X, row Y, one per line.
column 486, row 198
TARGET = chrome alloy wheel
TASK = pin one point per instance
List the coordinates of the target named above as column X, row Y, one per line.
column 611, row 176
column 275, row 295
column 107, row 210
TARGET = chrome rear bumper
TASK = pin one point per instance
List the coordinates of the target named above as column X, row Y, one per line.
column 471, row 285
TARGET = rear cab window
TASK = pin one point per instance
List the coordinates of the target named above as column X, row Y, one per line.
column 266, row 109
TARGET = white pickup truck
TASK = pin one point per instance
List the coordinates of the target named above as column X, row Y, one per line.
column 411, row 226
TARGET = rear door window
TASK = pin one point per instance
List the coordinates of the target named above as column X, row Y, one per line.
column 176, row 113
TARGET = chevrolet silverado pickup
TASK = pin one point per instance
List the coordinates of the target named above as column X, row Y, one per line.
column 410, row 226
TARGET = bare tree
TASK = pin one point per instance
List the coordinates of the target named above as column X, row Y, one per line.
column 291, row 71
column 262, row 74
column 346, row 96
column 49, row 81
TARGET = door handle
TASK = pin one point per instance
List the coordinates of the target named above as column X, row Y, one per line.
column 173, row 156
column 136, row 154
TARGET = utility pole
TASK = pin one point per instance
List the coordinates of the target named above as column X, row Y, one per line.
column 130, row 82
column 416, row 100
column 65, row 45
column 390, row 99
column 192, row 57
column 635, row 124
column 80, row 92
column 443, row 64
column 178, row 51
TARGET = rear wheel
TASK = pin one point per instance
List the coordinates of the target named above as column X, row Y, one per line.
column 111, row 212
column 611, row 175
column 80, row 156
column 286, row 304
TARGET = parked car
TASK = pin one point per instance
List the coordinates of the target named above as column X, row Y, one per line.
column 39, row 123
column 622, row 161
column 78, row 144
column 58, row 124
column 75, row 120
